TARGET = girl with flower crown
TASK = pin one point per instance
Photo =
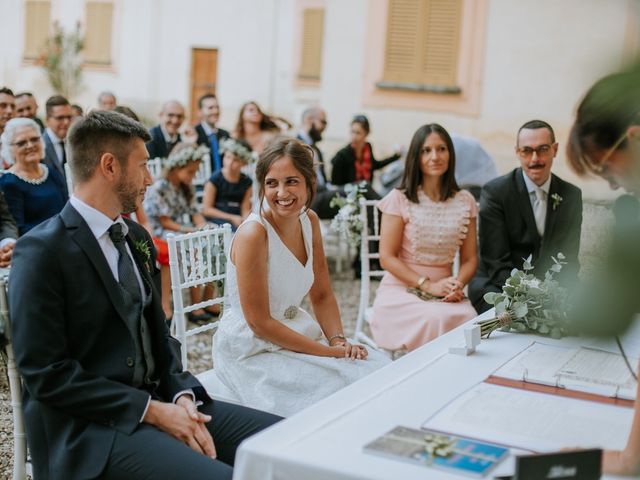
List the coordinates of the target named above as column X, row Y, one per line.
column 227, row 194
column 170, row 205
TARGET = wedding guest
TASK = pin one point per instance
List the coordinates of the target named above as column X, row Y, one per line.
column 166, row 135
column 7, row 110
column 33, row 191
column 425, row 222
column 27, row 107
column 314, row 122
column 605, row 141
column 105, row 394
column 268, row 351
column 255, row 127
column 209, row 133
column 170, row 205
column 529, row 211
column 124, row 110
column 58, row 120
column 227, row 194
column 107, row 101
column 356, row 162
column 77, row 112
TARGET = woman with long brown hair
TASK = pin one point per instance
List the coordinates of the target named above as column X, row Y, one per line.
column 425, row 222
column 255, row 127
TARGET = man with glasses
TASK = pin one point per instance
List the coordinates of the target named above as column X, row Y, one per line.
column 165, row 136
column 529, row 211
column 58, row 120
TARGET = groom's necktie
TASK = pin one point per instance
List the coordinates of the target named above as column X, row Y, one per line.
column 540, row 209
column 126, row 273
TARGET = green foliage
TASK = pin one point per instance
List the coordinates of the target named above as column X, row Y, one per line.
column 62, row 62
column 528, row 304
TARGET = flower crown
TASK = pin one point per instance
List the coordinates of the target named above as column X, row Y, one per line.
column 239, row 150
column 186, row 155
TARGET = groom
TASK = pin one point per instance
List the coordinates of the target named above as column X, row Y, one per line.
column 105, row 394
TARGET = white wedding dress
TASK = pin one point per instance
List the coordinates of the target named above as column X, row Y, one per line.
column 263, row 375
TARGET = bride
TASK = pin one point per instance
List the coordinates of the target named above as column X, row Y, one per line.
column 269, row 352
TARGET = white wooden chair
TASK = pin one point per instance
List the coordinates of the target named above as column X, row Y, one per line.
column 195, row 260
column 335, row 244
column 155, row 167
column 370, row 233
column 67, row 173
column 202, row 176
column 20, row 466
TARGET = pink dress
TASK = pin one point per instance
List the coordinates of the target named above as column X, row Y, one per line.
column 433, row 233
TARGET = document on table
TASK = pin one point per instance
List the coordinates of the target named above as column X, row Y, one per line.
column 581, row 369
column 532, row 421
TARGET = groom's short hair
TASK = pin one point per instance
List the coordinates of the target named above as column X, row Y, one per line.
column 97, row 133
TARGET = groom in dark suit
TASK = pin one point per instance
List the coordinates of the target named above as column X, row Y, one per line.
column 105, row 394
column 528, row 211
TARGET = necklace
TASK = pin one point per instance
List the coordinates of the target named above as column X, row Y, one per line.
column 35, row 181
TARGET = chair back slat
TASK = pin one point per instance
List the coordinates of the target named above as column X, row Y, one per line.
column 196, row 259
column 370, row 218
column 15, row 386
column 155, row 167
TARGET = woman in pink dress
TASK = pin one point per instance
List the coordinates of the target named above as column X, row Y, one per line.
column 424, row 223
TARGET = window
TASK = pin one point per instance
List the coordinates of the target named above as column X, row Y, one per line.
column 37, row 21
column 97, row 46
column 422, row 45
column 311, row 51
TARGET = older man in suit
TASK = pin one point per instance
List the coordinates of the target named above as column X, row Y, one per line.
column 58, row 120
column 106, row 396
column 208, row 132
column 166, row 135
column 528, row 211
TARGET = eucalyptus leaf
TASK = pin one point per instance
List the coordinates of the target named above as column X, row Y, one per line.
column 520, row 310
column 543, row 329
column 490, row 298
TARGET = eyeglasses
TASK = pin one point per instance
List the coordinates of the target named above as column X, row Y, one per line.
column 28, row 141
column 62, row 118
column 600, row 167
column 541, row 151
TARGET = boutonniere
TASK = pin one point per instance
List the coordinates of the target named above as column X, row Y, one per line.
column 142, row 247
column 556, row 200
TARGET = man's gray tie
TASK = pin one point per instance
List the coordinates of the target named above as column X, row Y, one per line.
column 540, row 209
column 126, row 273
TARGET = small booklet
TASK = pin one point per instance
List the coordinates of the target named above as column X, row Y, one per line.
column 463, row 456
column 586, row 370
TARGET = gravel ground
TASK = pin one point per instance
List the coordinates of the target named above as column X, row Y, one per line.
column 596, row 226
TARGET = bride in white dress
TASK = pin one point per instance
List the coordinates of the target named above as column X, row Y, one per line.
column 270, row 353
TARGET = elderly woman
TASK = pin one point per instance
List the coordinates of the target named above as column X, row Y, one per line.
column 33, row 192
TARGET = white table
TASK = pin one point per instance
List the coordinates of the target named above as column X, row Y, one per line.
column 325, row 441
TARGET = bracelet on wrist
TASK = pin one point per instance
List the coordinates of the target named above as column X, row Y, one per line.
column 337, row 335
column 421, row 281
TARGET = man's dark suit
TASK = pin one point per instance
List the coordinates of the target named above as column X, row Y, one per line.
column 203, row 139
column 76, row 352
column 52, row 161
column 157, row 146
column 508, row 232
column 322, row 198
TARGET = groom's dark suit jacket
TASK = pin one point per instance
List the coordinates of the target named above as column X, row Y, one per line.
column 508, row 233
column 75, row 350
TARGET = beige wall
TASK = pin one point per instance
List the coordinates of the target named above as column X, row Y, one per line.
column 530, row 59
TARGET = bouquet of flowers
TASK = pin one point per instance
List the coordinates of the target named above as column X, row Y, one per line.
column 347, row 221
column 528, row 304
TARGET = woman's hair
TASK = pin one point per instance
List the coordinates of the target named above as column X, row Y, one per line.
column 412, row 178
column 266, row 124
column 300, row 154
column 10, row 132
column 363, row 122
column 610, row 107
column 181, row 155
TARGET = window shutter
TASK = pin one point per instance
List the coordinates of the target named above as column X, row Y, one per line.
column 312, row 29
column 37, row 25
column 441, row 40
column 97, row 41
column 422, row 42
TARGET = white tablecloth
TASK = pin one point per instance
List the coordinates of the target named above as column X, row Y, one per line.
column 326, row 441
